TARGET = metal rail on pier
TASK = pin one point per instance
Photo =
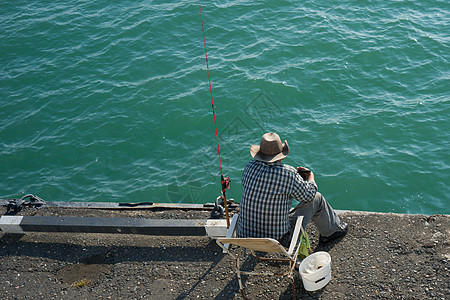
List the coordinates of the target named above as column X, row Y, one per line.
column 22, row 224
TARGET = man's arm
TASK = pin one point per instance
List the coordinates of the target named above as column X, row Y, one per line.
column 306, row 189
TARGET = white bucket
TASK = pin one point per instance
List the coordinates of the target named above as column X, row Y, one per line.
column 315, row 270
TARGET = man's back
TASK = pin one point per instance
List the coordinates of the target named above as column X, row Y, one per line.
column 268, row 190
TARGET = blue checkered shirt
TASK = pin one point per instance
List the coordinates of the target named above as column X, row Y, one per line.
column 268, row 191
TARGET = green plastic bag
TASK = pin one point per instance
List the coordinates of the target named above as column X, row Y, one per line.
column 303, row 246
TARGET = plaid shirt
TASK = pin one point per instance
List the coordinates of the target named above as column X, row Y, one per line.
column 268, row 190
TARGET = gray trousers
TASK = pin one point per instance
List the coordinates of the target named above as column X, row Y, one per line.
column 317, row 210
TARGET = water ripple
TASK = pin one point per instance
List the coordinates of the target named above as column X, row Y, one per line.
column 110, row 101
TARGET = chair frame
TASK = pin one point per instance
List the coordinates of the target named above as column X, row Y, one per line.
column 267, row 245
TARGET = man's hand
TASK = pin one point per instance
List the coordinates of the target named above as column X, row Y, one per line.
column 306, row 173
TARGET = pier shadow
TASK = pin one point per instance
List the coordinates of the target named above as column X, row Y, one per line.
column 250, row 264
column 80, row 261
column 99, row 260
column 233, row 286
column 200, row 280
column 12, row 244
column 328, row 246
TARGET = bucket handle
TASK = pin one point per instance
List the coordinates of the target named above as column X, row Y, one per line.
column 317, row 281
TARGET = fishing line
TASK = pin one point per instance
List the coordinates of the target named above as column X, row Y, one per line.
column 224, row 181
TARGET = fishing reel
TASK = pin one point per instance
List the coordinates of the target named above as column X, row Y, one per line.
column 226, row 183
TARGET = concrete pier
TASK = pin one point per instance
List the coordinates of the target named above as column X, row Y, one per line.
column 384, row 256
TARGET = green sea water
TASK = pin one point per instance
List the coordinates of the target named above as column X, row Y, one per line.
column 109, row 100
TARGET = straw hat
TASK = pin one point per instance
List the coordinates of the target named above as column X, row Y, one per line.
column 270, row 148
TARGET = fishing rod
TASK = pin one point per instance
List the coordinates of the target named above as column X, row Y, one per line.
column 224, row 181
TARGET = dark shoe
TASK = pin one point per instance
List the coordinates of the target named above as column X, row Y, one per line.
column 343, row 228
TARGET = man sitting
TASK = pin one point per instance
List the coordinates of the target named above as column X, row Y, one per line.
column 268, row 190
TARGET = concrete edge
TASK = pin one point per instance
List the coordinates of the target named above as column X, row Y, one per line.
column 183, row 206
column 163, row 227
column 125, row 206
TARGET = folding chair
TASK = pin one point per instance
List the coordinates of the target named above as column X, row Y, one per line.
column 267, row 245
